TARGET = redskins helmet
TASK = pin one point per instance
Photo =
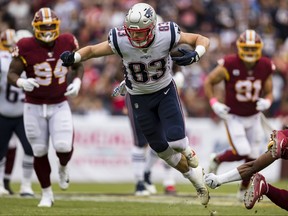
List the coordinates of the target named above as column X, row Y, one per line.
column 46, row 25
column 7, row 39
column 140, row 24
column 249, row 46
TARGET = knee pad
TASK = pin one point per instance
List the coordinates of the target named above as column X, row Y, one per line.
column 175, row 133
column 39, row 150
column 62, row 146
column 170, row 156
column 179, row 145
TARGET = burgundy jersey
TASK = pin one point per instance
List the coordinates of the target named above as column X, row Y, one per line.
column 243, row 87
column 44, row 64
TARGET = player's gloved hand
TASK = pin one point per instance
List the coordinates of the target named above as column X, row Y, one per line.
column 119, row 90
column 27, row 84
column 73, row 89
column 68, row 58
column 189, row 57
column 219, row 108
column 211, row 180
column 263, row 104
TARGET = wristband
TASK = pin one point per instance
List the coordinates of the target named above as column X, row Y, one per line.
column 77, row 57
column 200, row 50
column 213, row 101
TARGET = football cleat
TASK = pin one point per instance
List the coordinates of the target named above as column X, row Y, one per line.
column 63, row 177
column 213, row 165
column 26, row 191
column 211, row 180
column 148, row 184
column 7, row 186
column 170, row 190
column 279, row 146
column 258, row 187
column 240, row 195
column 46, row 201
column 192, row 159
column 203, row 194
column 141, row 189
column 3, row 191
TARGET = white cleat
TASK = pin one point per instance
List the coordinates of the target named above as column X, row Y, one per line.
column 141, row 189
column 211, row 180
column 46, row 201
column 240, row 195
column 26, row 191
column 213, row 165
column 63, row 177
column 151, row 188
column 192, row 159
column 204, row 196
column 3, row 191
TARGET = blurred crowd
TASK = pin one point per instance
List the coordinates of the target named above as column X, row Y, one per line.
column 220, row 20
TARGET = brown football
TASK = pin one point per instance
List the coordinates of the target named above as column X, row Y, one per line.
column 175, row 53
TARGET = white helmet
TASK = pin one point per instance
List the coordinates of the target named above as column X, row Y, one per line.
column 22, row 33
column 140, row 19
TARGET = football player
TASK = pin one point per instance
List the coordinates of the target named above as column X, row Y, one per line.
column 47, row 114
column 277, row 148
column 11, row 120
column 144, row 48
column 247, row 77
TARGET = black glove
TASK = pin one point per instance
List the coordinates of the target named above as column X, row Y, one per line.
column 68, row 58
column 187, row 58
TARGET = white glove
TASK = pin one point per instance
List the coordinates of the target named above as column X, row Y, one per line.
column 219, row 108
column 27, row 84
column 73, row 89
column 119, row 90
column 211, row 180
column 263, row 104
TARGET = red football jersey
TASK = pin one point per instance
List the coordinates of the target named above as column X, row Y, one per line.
column 244, row 87
column 44, row 64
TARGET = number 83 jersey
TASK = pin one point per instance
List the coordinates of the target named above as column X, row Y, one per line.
column 146, row 70
column 11, row 97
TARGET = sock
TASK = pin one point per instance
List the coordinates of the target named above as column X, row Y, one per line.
column 151, row 159
column 230, row 176
column 278, row 196
column 10, row 158
column 138, row 162
column 2, row 168
column 64, row 157
column 43, row 170
column 27, row 167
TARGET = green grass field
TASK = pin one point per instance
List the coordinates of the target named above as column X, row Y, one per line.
column 117, row 199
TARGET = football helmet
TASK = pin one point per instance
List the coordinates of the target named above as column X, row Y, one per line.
column 7, row 39
column 140, row 24
column 46, row 25
column 249, row 46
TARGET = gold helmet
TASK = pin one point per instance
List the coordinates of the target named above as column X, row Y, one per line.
column 46, row 25
column 249, row 46
column 7, row 39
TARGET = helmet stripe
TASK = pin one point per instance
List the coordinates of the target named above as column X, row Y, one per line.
column 46, row 13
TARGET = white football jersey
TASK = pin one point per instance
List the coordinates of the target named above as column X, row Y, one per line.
column 11, row 97
column 147, row 70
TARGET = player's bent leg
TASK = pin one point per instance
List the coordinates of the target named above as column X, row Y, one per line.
column 258, row 187
column 183, row 147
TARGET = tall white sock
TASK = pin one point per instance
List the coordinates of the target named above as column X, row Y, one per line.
column 138, row 162
column 231, row 176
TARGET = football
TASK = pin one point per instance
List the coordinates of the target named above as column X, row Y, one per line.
column 175, row 52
